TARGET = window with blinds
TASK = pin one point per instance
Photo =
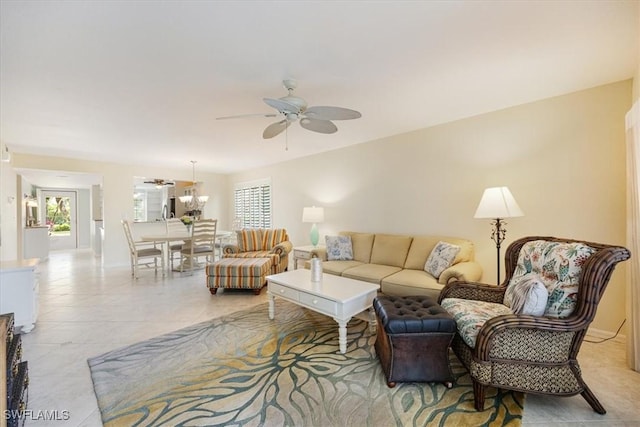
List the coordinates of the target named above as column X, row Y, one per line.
column 252, row 201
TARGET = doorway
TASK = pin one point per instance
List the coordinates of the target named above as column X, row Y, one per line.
column 60, row 215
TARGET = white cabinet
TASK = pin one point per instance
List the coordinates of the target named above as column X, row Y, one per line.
column 19, row 292
column 36, row 243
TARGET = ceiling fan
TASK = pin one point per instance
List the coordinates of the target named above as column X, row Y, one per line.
column 292, row 108
column 160, row 182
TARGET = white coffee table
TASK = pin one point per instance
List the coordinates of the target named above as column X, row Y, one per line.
column 337, row 297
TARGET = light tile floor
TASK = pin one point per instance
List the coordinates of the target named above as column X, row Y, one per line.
column 86, row 310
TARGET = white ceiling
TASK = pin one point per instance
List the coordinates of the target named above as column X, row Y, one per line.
column 141, row 82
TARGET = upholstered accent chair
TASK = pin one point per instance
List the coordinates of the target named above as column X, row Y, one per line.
column 262, row 243
column 527, row 352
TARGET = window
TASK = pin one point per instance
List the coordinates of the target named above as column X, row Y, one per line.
column 252, row 204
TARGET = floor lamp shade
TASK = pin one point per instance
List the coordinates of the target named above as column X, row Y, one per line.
column 498, row 203
column 313, row 215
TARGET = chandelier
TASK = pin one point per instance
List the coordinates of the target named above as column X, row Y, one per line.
column 193, row 202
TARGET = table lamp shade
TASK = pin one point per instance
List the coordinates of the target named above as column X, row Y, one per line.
column 313, row 215
column 498, row 202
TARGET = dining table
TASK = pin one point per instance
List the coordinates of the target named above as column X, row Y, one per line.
column 169, row 237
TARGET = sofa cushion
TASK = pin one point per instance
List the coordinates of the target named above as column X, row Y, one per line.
column 337, row 267
column 559, row 266
column 249, row 239
column 421, row 247
column 361, row 244
column 271, row 237
column 410, row 282
column 390, row 249
column 339, row 248
column 471, row 315
column 441, row 258
column 372, row 273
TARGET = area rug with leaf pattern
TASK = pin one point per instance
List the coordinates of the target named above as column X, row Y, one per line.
column 246, row 370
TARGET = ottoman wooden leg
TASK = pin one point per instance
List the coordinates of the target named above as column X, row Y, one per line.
column 257, row 291
column 213, row 290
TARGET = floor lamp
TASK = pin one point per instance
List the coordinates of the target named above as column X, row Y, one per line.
column 313, row 215
column 498, row 203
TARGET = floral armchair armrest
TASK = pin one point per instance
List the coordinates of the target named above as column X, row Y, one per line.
column 473, row 291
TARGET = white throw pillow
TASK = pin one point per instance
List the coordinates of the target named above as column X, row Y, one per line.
column 440, row 258
column 339, row 248
column 527, row 296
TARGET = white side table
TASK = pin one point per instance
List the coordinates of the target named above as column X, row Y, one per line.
column 303, row 253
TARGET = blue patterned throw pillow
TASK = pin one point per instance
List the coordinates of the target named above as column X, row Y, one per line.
column 339, row 248
column 440, row 258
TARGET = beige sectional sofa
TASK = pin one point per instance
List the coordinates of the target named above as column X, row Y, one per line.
column 396, row 262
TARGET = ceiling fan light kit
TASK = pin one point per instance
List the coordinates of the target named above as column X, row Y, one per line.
column 292, row 109
column 159, row 183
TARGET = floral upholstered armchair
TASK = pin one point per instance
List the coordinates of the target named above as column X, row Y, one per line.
column 262, row 243
column 525, row 334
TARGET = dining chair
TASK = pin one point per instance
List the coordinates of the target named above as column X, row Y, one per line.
column 202, row 243
column 142, row 252
column 175, row 226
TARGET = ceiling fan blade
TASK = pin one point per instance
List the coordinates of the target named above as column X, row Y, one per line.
column 275, row 129
column 332, row 113
column 240, row 116
column 321, row 126
column 282, row 106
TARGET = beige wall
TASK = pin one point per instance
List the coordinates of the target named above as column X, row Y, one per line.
column 563, row 159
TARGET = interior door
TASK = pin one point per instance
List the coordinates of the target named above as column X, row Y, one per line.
column 60, row 215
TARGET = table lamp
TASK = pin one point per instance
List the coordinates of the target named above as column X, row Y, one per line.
column 313, row 215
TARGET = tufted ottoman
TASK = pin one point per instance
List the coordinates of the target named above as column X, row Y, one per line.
column 414, row 334
column 238, row 273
